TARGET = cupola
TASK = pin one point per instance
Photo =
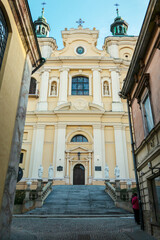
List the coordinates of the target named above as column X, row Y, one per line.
column 42, row 28
column 119, row 27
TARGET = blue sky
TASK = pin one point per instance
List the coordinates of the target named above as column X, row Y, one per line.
column 62, row 14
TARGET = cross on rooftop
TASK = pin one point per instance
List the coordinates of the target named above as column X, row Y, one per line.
column 80, row 21
column 117, row 8
column 43, row 3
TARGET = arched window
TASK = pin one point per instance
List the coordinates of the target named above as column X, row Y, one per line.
column 79, row 138
column 80, row 85
column 33, row 86
column 3, row 35
column 106, row 88
column 53, row 90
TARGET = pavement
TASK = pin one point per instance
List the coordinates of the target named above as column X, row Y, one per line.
column 77, row 213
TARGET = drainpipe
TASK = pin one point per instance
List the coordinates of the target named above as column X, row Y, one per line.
column 42, row 61
column 135, row 167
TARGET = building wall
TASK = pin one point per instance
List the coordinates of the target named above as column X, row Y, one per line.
column 10, row 77
column 52, row 121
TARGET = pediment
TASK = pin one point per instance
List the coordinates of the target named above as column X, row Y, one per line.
column 96, row 107
column 64, row 106
column 78, row 149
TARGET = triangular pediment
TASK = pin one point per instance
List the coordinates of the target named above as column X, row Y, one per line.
column 78, row 149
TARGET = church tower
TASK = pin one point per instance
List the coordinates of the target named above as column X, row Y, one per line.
column 42, row 28
column 119, row 27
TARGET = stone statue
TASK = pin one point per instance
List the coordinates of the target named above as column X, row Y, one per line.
column 50, row 172
column 54, row 89
column 117, row 172
column 106, row 89
column 106, row 171
column 40, row 172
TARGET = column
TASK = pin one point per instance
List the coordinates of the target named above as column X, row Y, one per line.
column 63, row 89
column 121, row 151
column 116, row 100
column 97, row 87
column 60, row 150
column 36, row 150
column 98, row 151
column 42, row 104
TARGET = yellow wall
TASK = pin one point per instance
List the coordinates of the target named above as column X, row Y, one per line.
column 11, row 74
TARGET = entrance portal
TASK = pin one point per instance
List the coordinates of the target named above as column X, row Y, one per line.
column 79, row 175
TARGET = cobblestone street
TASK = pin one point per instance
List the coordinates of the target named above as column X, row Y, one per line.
column 110, row 228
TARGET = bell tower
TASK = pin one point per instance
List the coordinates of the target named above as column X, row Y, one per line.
column 42, row 28
column 119, row 27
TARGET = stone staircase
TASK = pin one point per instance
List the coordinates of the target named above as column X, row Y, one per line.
column 78, row 200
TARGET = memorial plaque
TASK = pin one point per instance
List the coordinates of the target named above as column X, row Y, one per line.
column 59, row 168
column 98, row 168
column 20, row 174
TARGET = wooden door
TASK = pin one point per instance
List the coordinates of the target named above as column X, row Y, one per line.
column 79, row 175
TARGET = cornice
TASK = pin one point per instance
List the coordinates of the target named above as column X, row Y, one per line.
column 23, row 20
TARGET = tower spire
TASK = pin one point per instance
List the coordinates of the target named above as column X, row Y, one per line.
column 41, row 26
column 119, row 27
column 117, row 10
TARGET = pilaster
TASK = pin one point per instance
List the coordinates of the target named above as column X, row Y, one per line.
column 121, row 151
column 116, row 100
column 63, row 85
column 97, row 99
column 98, row 151
column 42, row 104
column 60, row 154
column 36, row 150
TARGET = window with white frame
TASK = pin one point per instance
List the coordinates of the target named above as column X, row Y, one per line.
column 147, row 114
column 80, row 85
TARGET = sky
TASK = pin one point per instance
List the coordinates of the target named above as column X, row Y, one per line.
column 61, row 14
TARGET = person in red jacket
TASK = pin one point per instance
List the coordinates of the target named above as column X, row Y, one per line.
column 135, row 206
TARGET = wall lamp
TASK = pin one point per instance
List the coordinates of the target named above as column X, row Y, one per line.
column 152, row 168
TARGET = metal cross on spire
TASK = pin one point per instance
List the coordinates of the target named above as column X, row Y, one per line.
column 117, row 10
column 80, row 21
column 43, row 3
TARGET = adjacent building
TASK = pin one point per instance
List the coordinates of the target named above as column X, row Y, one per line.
column 142, row 89
column 76, row 120
column 19, row 54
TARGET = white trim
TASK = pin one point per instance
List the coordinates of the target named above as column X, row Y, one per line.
column 81, row 73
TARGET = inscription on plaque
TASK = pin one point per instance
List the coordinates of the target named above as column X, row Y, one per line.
column 98, row 168
column 59, row 168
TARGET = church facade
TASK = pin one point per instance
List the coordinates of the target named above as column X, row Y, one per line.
column 76, row 120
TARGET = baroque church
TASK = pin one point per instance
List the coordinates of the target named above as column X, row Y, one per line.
column 75, row 119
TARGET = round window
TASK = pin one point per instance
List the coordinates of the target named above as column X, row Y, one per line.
column 80, row 50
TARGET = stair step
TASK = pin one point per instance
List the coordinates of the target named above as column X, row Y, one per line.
column 78, row 200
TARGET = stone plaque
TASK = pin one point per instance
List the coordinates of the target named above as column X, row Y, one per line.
column 59, row 168
column 98, row 168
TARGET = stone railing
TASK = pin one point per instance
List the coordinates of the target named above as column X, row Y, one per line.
column 121, row 197
column 110, row 190
column 35, row 198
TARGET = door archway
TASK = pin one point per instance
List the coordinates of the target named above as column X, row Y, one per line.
column 79, row 175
